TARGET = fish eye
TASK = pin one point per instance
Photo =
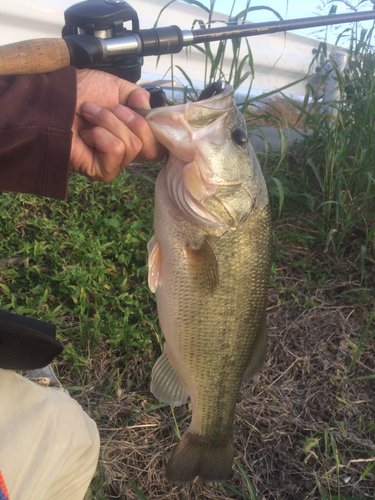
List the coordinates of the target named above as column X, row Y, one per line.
column 239, row 136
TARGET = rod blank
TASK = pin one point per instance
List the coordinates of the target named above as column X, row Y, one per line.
column 254, row 29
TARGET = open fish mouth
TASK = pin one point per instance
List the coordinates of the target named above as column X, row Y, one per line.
column 176, row 126
column 194, row 134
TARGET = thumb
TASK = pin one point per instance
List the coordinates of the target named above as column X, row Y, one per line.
column 137, row 99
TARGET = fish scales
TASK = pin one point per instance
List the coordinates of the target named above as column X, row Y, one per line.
column 209, row 263
column 231, row 317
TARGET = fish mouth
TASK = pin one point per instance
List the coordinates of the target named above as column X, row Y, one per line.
column 190, row 178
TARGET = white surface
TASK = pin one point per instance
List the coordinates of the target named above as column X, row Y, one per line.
column 279, row 58
column 330, row 87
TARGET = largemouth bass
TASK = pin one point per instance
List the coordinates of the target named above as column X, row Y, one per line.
column 209, row 264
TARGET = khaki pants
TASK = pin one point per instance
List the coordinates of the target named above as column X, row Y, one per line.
column 49, row 446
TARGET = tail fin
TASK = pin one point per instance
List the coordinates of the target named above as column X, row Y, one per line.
column 210, row 460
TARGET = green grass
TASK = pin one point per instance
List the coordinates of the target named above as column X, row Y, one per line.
column 82, row 265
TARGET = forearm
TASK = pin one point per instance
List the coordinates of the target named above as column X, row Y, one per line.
column 36, row 117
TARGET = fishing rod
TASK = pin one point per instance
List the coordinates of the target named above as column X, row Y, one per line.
column 94, row 36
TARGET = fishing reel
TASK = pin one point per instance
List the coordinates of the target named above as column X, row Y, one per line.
column 110, row 20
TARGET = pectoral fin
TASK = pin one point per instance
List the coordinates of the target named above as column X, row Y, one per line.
column 202, row 265
column 154, row 263
column 166, row 384
column 258, row 355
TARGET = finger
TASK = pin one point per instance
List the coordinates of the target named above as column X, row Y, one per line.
column 107, row 155
column 115, row 143
column 119, row 128
column 151, row 148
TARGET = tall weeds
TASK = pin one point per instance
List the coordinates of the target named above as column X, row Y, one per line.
column 337, row 160
column 242, row 67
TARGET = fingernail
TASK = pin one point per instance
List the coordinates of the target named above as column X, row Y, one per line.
column 90, row 108
column 123, row 113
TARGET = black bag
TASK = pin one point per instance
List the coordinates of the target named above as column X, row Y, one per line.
column 26, row 343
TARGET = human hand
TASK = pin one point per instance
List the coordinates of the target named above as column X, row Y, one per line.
column 107, row 134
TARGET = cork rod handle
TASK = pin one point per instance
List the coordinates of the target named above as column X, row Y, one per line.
column 41, row 55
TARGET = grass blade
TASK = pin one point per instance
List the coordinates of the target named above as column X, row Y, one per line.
column 233, row 490
column 367, row 470
column 136, row 490
column 280, row 189
column 250, row 487
column 362, row 341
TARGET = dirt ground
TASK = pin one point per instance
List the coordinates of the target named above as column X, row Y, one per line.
column 304, row 427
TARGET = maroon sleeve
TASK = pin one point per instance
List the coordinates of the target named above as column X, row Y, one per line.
column 36, row 117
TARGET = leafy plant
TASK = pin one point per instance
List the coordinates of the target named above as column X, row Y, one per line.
column 82, row 264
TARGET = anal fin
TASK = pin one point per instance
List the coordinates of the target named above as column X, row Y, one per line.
column 166, row 384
